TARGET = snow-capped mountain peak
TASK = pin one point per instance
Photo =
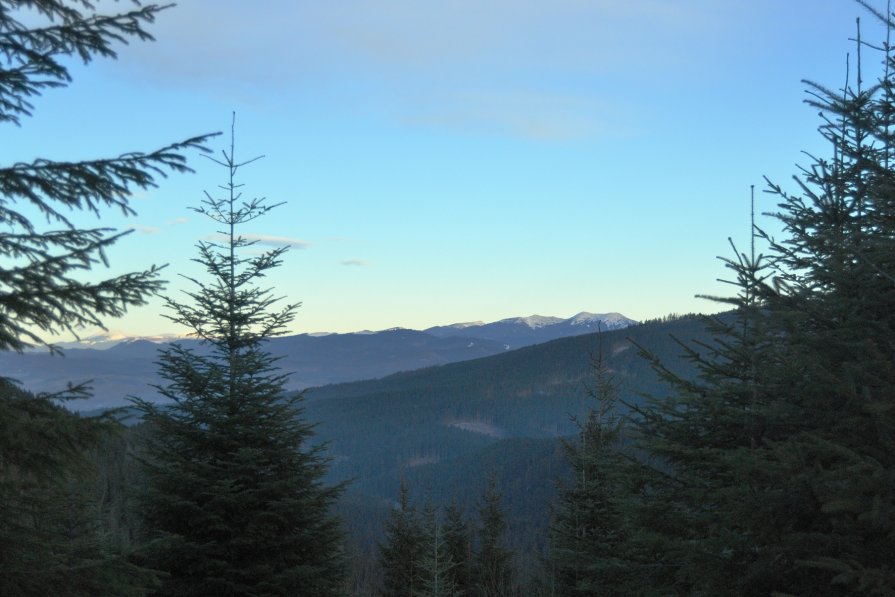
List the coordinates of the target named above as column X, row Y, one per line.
column 516, row 332
column 467, row 324
column 607, row 321
column 533, row 321
column 112, row 338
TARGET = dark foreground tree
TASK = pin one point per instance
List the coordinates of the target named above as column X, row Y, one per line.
column 829, row 427
column 50, row 540
column 701, row 490
column 236, row 495
column 780, row 459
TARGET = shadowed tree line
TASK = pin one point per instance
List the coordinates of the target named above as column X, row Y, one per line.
column 445, row 554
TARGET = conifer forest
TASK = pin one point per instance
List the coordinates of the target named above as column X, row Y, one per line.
column 747, row 453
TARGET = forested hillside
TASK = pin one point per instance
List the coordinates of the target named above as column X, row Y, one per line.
column 378, row 429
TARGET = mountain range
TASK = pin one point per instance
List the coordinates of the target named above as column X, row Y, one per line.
column 525, row 331
column 121, row 367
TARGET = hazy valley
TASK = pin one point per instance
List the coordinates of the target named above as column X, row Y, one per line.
column 126, row 367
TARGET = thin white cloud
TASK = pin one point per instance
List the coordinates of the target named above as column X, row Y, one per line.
column 356, row 262
column 147, row 229
column 277, row 241
column 265, row 240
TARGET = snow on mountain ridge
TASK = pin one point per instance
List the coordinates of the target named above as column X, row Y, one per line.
column 584, row 320
column 464, row 325
column 110, row 339
column 534, row 321
column 609, row 321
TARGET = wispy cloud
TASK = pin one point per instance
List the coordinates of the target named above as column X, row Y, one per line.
column 277, row 241
column 266, row 240
column 356, row 262
column 147, row 229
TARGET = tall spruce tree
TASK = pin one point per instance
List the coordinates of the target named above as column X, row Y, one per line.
column 589, row 534
column 437, row 566
column 458, row 544
column 235, row 490
column 779, row 461
column 698, row 493
column 494, row 562
column 50, row 539
column 402, row 552
column 834, row 299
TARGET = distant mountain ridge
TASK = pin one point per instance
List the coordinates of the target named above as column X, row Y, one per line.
column 533, row 329
column 118, row 366
column 517, row 332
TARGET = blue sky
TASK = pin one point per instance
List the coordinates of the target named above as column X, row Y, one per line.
column 461, row 160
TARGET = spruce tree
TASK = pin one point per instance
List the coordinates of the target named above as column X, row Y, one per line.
column 235, row 494
column 494, row 562
column 834, row 301
column 589, row 534
column 402, row 552
column 458, row 543
column 436, row 565
column 699, row 492
column 779, row 460
column 51, row 542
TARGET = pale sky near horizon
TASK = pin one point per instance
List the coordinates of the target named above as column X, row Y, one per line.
column 464, row 160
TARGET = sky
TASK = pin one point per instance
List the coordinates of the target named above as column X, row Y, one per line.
column 459, row 160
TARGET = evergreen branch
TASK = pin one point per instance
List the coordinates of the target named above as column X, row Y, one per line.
column 89, row 185
column 65, row 304
column 30, row 53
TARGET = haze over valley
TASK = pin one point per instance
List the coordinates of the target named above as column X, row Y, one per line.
column 122, row 367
